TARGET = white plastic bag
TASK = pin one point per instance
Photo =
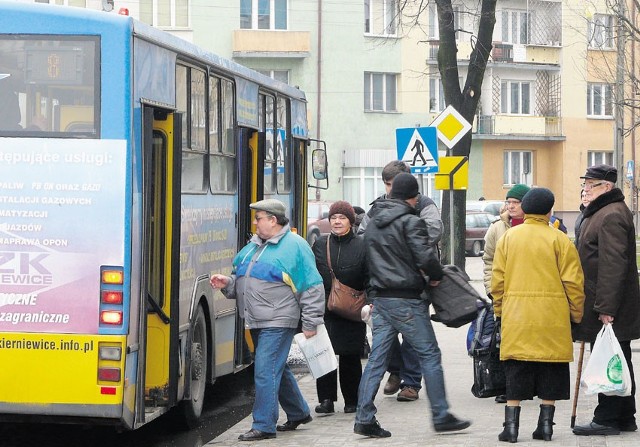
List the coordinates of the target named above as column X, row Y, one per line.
column 607, row 371
column 318, row 352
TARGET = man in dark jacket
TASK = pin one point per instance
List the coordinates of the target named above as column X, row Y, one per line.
column 607, row 248
column 398, row 254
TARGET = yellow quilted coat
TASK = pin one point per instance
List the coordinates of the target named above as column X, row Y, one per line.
column 537, row 288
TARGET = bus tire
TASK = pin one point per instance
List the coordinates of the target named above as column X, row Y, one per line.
column 191, row 410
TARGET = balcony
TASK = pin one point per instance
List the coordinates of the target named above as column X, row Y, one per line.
column 267, row 43
column 518, row 127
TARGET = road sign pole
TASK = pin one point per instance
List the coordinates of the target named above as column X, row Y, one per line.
column 451, row 232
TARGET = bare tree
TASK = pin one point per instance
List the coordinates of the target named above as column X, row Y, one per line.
column 465, row 99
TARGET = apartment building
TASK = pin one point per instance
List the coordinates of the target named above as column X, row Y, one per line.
column 547, row 109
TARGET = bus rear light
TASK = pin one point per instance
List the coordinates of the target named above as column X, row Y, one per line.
column 111, row 317
column 110, row 353
column 111, row 297
column 111, row 390
column 112, row 276
column 109, row 374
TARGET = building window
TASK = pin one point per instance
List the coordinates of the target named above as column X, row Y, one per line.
column 517, row 167
column 278, row 75
column 599, row 100
column 601, row 31
column 599, row 157
column 380, row 17
column 263, row 14
column 515, row 27
column 380, row 92
column 515, row 97
column 165, row 13
column 436, row 95
column 434, row 27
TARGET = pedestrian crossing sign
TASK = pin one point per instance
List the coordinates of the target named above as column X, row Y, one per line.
column 418, row 146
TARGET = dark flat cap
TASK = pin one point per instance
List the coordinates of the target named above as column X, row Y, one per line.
column 602, row 172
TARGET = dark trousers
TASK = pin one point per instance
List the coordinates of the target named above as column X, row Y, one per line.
column 404, row 362
column 350, row 370
column 618, row 411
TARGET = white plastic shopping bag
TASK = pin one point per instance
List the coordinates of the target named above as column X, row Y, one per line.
column 607, row 371
column 318, row 352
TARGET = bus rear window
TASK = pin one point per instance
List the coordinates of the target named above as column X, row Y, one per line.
column 49, row 86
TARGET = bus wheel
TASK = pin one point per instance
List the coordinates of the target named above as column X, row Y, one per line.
column 192, row 409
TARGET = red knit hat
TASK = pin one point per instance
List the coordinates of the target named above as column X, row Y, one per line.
column 344, row 208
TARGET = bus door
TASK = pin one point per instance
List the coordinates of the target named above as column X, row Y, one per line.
column 247, row 194
column 160, row 351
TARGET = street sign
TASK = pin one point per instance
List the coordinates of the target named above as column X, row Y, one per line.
column 418, row 146
column 451, row 126
column 630, row 170
column 453, row 173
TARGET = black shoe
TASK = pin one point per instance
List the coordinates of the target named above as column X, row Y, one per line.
column 595, row 429
column 325, row 407
column 452, row 423
column 372, row 430
column 256, row 435
column 501, row 399
column 292, row 425
column 350, row 408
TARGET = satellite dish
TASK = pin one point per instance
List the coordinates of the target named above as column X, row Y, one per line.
column 107, row 5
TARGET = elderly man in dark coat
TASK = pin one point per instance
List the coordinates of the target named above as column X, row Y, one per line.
column 607, row 248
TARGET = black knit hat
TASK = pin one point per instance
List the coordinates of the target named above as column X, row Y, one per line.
column 538, row 201
column 344, row 208
column 404, row 186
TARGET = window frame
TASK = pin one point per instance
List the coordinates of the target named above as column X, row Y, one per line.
column 514, row 33
column 434, row 26
column 524, row 159
column 601, row 27
column 151, row 10
column 252, row 20
column 606, row 103
column 390, row 13
column 599, row 157
column 506, row 97
column 372, row 96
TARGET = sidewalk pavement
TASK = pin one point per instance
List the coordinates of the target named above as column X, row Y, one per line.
column 410, row 422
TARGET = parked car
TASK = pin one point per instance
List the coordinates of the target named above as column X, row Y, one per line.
column 317, row 220
column 477, row 224
column 485, row 206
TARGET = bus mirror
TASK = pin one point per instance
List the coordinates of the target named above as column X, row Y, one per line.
column 319, row 164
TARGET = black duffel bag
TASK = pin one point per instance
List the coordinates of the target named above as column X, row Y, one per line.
column 454, row 300
column 488, row 373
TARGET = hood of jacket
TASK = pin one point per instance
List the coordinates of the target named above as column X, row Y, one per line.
column 386, row 211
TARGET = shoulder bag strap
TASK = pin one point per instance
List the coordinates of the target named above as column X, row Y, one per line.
column 329, row 257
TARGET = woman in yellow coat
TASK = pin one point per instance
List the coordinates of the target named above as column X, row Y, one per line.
column 538, row 290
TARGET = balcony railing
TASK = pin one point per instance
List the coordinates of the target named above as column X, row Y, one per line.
column 520, row 125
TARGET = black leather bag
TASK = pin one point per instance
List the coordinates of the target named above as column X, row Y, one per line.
column 488, row 373
column 454, row 300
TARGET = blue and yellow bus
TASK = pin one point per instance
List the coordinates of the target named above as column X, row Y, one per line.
column 128, row 159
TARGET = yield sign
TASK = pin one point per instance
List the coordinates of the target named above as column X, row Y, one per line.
column 418, row 146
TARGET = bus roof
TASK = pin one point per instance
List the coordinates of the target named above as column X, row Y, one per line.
column 53, row 19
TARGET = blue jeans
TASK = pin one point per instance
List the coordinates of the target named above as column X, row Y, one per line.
column 410, row 317
column 404, row 362
column 274, row 380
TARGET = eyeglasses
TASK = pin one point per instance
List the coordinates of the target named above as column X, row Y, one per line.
column 257, row 218
column 587, row 186
column 512, row 202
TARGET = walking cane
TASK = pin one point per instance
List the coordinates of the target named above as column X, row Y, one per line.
column 576, row 391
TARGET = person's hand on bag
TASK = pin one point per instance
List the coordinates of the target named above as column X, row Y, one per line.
column 434, row 283
column 606, row 319
column 309, row 334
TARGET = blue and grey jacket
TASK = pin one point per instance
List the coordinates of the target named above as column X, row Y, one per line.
column 276, row 282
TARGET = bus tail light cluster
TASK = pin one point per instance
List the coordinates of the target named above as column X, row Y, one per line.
column 111, row 296
column 109, row 367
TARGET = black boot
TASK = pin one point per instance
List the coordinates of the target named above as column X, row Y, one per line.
column 511, row 424
column 545, row 423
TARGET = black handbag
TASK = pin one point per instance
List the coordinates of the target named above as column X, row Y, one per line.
column 488, row 372
column 454, row 300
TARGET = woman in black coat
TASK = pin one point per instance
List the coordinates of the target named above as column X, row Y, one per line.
column 347, row 336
